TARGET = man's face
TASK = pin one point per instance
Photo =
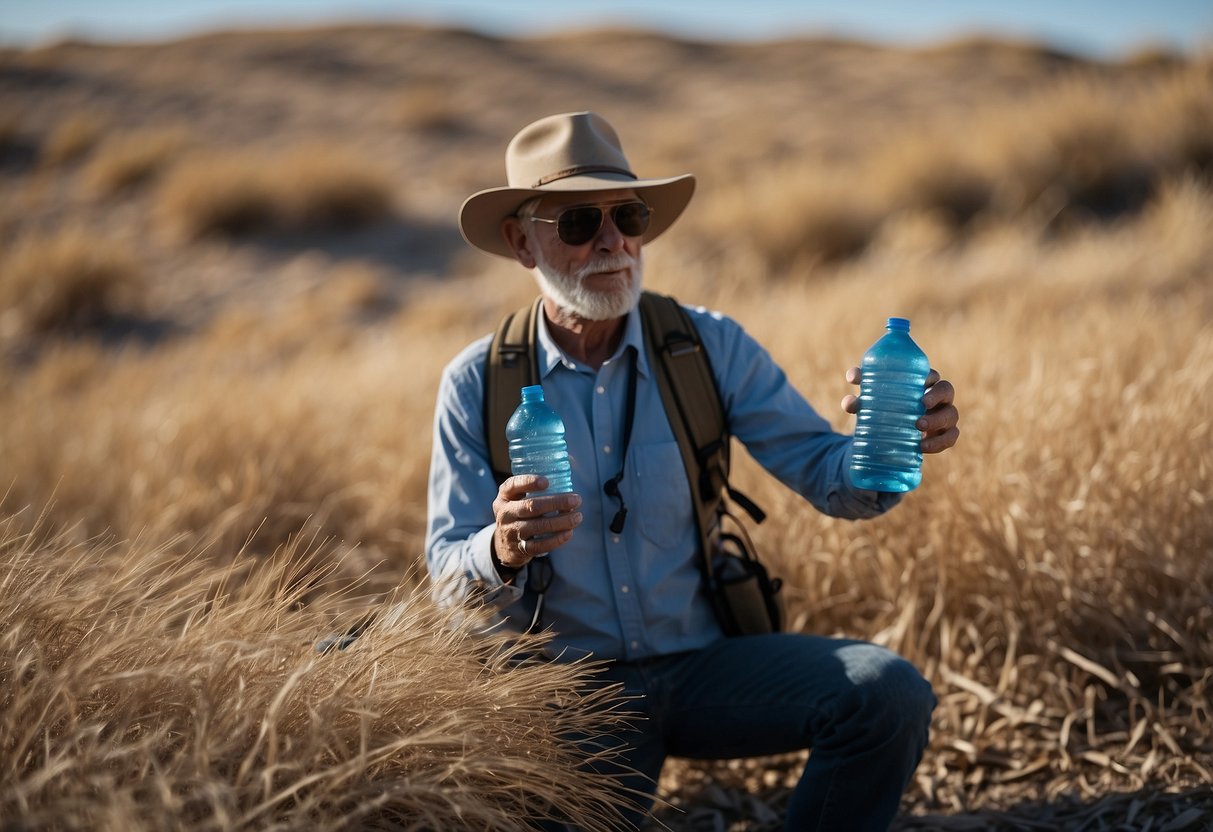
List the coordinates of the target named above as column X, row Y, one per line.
column 598, row 280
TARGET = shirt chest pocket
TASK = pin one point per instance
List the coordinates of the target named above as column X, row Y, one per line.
column 663, row 497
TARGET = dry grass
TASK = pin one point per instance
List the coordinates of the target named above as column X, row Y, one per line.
column 65, row 281
column 132, row 159
column 302, row 188
column 1061, row 158
column 72, row 139
column 143, row 688
column 1051, row 576
column 10, row 128
column 428, row 107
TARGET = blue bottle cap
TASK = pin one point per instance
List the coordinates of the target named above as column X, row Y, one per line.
column 532, row 393
column 899, row 323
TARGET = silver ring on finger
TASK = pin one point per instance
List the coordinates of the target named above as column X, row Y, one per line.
column 522, row 546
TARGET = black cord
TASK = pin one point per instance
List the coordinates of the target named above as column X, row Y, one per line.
column 611, row 486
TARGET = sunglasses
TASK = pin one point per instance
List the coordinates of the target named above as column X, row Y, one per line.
column 577, row 226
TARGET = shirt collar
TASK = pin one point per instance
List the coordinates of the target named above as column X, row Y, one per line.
column 550, row 355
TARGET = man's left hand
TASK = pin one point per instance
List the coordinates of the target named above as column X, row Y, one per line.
column 938, row 424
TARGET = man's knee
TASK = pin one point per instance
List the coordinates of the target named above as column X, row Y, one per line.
column 888, row 690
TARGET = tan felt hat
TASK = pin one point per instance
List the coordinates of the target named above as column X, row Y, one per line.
column 566, row 153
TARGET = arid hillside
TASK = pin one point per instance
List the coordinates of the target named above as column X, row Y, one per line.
column 91, row 132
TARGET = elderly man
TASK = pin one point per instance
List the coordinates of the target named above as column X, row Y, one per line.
column 577, row 217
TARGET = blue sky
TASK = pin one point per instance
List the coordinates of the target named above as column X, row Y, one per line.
column 1105, row 28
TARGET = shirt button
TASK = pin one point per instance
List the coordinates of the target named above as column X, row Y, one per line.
column 635, row 645
column 606, row 449
column 615, row 539
column 601, row 389
column 624, row 588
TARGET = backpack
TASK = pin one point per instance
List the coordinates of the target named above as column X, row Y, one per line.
column 744, row 596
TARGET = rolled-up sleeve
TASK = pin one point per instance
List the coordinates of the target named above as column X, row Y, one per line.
column 461, row 491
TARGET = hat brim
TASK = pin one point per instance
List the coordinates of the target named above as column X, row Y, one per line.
column 482, row 213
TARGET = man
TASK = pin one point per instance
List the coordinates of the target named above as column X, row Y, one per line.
column 577, row 217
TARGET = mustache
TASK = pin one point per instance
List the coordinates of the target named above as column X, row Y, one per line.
column 607, row 263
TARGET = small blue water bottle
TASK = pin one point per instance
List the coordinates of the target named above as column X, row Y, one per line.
column 536, row 440
column 887, row 450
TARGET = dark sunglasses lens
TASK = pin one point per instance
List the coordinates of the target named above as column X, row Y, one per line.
column 577, row 226
column 631, row 218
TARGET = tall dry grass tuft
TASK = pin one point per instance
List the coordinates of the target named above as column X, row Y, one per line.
column 428, row 108
column 128, row 160
column 143, row 688
column 791, row 219
column 10, row 128
column 72, row 139
column 302, row 188
column 1069, row 149
column 68, row 280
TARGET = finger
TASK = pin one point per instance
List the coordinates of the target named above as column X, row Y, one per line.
column 932, row 378
column 548, row 503
column 524, row 508
column 940, row 442
column 517, row 487
column 543, row 546
column 549, row 525
column 853, row 375
column 939, row 393
column 939, row 420
column 850, row 404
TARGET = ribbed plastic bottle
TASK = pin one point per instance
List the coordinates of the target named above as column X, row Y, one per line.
column 887, row 453
column 536, row 439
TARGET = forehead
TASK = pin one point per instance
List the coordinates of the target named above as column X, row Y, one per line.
column 558, row 201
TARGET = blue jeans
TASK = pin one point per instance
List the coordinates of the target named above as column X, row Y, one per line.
column 863, row 710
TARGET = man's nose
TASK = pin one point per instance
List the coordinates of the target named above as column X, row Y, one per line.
column 609, row 238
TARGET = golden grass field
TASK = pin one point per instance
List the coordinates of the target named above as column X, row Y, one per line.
column 230, row 277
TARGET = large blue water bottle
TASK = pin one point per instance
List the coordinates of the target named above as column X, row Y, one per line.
column 887, row 453
column 536, row 439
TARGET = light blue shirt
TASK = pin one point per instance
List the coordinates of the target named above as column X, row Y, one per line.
column 639, row 593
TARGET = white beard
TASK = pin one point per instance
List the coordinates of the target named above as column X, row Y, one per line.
column 571, row 294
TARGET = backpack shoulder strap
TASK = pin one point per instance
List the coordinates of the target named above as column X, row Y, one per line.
column 511, row 365
column 694, row 407
column 692, row 403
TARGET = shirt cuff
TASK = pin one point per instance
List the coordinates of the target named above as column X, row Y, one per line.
column 482, row 558
column 869, row 503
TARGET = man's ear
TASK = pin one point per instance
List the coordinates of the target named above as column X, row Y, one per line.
column 519, row 241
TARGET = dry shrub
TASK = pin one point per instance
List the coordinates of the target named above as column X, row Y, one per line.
column 302, row 188
column 131, row 159
column 790, row 219
column 143, row 688
column 71, row 279
column 72, row 139
column 1177, row 120
column 930, row 172
column 429, row 108
column 1094, row 147
column 1157, row 55
column 10, row 128
column 1069, row 148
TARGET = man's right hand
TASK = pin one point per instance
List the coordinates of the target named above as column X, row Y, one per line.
column 521, row 518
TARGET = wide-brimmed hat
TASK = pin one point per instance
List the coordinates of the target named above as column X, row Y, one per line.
column 566, row 153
